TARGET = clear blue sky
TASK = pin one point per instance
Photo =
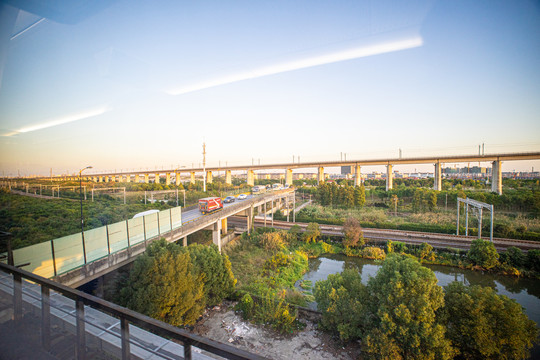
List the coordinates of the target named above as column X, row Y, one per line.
column 142, row 84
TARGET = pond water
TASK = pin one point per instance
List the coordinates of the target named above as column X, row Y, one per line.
column 525, row 291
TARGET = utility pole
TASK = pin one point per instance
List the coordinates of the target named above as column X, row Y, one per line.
column 204, row 165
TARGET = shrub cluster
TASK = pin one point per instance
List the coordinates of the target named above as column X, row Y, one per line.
column 172, row 283
column 402, row 313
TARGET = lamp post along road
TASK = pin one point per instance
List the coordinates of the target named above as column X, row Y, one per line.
column 82, row 221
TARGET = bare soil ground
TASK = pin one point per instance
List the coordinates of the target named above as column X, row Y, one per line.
column 222, row 324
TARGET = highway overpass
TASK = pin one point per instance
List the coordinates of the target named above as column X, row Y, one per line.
column 73, row 265
column 356, row 165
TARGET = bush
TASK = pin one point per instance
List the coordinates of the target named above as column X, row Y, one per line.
column 399, row 247
column 245, row 305
column 272, row 309
column 216, row 271
column 533, row 260
column 515, row 257
column 353, row 233
column 272, row 241
column 164, row 285
column 484, row 325
column 426, row 252
column 483, row 253
column 312, row 232
column 400, row 318
column 373, row 253
column 340, row 299
column 295, row 232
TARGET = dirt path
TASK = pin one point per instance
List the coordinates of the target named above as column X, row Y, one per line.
column 224, row 325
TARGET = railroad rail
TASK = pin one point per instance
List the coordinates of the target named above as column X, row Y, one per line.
column 411, row 237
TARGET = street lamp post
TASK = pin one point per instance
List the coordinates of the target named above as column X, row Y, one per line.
column 178, row 174
column 82, row 221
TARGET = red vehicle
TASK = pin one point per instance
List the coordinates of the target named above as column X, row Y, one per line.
column 210, row 204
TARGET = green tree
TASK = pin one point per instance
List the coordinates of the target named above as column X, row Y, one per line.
column 359, row 196
column 432, row 200
column 348, row 196
column 340, row 299
column 353, row 233
column 533, row 260
column 162, row 285
column 295, row 232
column 515, row 256
column 483, row 253
column 312, row 232
column 216, row 270
column 400, row 319
column 484, row 325
column 426, row 252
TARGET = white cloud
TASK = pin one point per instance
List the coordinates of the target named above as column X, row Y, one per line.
column 337, row 56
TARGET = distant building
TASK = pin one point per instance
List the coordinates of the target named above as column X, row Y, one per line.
column 347, row 170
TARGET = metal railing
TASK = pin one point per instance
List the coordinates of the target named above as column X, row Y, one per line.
column 125, row 316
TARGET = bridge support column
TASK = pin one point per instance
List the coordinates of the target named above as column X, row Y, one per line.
column 250, row 178
column 177, row 178
column 224, row 225
column 357, row 176
column 146, row 178
column 209, row 177
column 137, row 178
column 184, row 241
column 496, row 177
column 156, row 178
column 250, row 219
column 192, row 177
column 216, row 234
column 389, row 177
column 228, row 177
column 168, row 179
column 288, row 177
column 437, row 181
column 106, row 179
column 128, row 178
column 320, row 176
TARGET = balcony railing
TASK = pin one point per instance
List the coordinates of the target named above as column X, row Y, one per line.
column 23, row 293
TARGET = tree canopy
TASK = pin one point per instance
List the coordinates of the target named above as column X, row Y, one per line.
column 163, row 285
column 483, row 253
column 400, row 321
column 172, row 283
column 484, row 325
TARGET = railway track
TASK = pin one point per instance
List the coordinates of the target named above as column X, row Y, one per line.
column 410, row 237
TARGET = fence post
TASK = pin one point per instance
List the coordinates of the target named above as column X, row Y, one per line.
column 127, row 232
column 124, row 329
column 144, row 229
column 158, row 229
column 53, row 257
column 170, row 221
column 45, row 318
column 187, row 350
column 108, row 244
column 80, row 350
column 17, row 297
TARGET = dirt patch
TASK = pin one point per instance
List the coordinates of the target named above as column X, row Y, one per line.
column 222, row 324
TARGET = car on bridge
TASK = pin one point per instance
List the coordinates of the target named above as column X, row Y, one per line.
column 229, row 199
column 242, row 197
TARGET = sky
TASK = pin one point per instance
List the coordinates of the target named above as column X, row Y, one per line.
column 142, row 84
